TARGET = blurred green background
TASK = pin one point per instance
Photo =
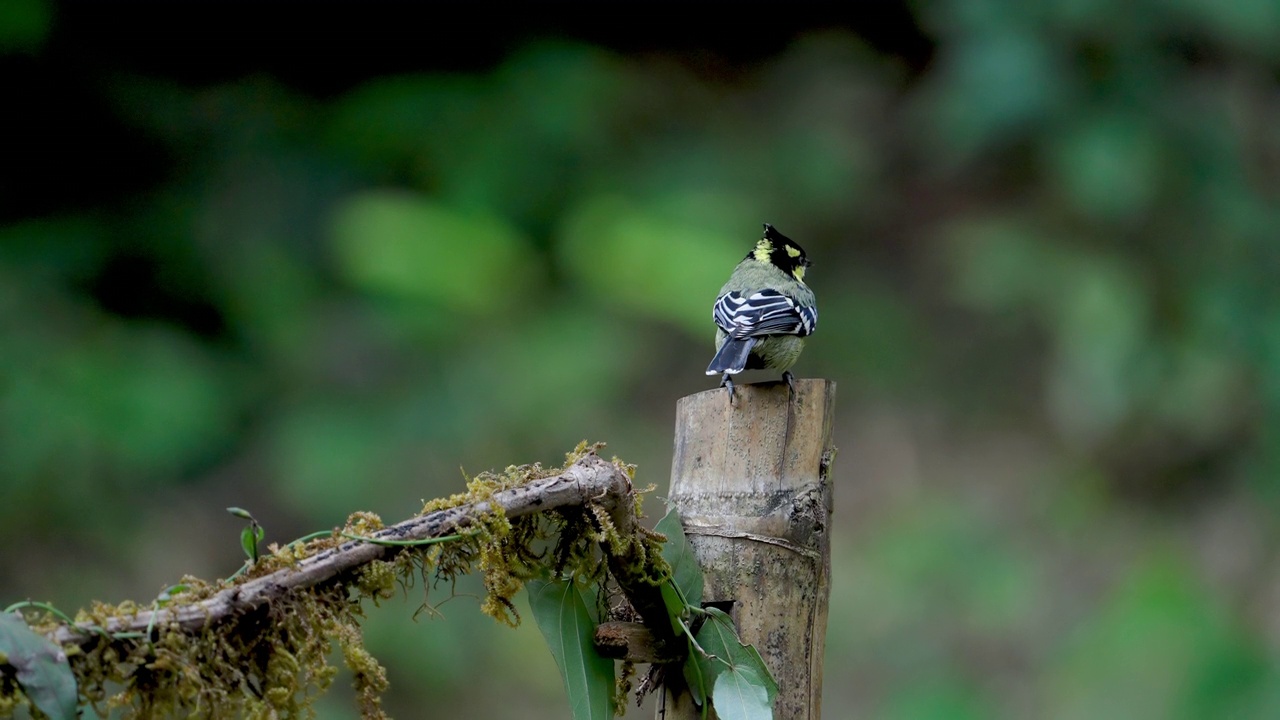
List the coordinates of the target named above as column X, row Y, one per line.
column 312, row 259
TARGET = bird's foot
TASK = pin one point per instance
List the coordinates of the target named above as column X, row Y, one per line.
column 791, row 383
column 727, row 382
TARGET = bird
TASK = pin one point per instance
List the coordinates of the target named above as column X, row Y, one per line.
column 764, row 312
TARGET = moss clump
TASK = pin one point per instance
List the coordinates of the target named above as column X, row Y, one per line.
column 378, row 579
column 510, row 552
column 270, row 662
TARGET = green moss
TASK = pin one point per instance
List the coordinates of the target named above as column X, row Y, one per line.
column 624, row 684
column 377, row 580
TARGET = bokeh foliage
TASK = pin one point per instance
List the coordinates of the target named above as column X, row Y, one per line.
column 1046, row 259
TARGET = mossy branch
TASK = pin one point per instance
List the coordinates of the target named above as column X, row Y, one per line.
column 589, row 481
column 259, row 644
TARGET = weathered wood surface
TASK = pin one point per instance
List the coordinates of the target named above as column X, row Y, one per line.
column 634, row 642
column 752, row 487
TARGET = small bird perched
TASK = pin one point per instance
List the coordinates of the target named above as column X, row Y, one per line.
column 764, row 312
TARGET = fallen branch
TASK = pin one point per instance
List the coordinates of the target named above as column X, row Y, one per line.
column 589, row 480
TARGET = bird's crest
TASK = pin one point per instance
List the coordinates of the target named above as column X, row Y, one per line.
column 780, row 250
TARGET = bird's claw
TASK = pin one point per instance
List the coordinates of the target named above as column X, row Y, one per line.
column 727, row 382
column 791, row 383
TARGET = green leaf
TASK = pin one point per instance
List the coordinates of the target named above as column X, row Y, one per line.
column 172, row 591
column 719, row 639
column 757, row 664
column 740, row 694
column 249, row 538
column 41, row 666
column 679, row 555
column 714, row 637
column 240, row 513
column 565, row 617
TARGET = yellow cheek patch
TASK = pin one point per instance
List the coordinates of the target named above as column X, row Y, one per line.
column 764, row 248
column 799, row 273
column 793, row 252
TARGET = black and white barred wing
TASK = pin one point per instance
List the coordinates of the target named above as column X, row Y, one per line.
column 767, row 312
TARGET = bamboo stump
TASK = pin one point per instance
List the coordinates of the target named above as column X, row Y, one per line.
column 752, row 487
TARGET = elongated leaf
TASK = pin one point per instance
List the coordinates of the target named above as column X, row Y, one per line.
column 41, row 666
column 566, row 618
column 699, row 684
column 740, row 694
column 679, row 555
column 675, row 604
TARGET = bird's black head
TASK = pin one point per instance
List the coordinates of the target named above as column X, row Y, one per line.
column 781, row 251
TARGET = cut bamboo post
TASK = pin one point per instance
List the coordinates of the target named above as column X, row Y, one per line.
column 752, row 487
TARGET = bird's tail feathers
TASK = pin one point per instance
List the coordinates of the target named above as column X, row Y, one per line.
column 732, row 356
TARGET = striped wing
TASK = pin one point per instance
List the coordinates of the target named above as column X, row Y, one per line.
column 767, row 312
